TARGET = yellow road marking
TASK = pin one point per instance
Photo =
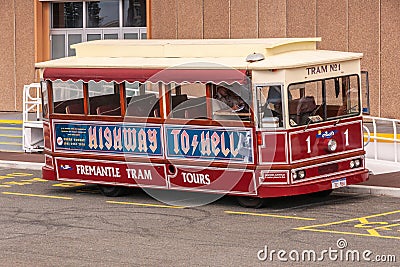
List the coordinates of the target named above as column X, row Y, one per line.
column 10, row 143
column 349, row 220
column 269, row 215
column 382, row 137
column 11, row 136
column 364, row 223
column 10, row 128
column 33, row 195
column 11, row 121
column 346, row 233
column 146, row 205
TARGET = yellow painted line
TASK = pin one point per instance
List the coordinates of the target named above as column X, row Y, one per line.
column 10, row 136
column 12, row 121
column 349, row 220
column 348, row 233
column 11, row 128
column 363, row 220
column 382, row 135
column 33, row 195
column 146, row 205
column 10, row 143
column 269, row 215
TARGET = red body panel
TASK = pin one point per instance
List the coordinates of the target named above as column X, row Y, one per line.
column 279, row 155
column 265, row 191
column 208, row 179
column 312, row 143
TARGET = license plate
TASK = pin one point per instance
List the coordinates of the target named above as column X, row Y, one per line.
column 339, row 183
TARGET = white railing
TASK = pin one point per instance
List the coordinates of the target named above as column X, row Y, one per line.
column 382, row 145
column 32, row 135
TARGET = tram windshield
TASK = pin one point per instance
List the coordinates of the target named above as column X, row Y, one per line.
column 323, row 100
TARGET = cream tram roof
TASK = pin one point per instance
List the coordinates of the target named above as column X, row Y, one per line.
column 279, row 53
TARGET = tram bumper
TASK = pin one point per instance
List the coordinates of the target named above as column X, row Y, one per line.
column 48, row 173
column 306, row 187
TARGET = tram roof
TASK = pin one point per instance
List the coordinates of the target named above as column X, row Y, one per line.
column 279, row 53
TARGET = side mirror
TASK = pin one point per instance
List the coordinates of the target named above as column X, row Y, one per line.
column 365, row 92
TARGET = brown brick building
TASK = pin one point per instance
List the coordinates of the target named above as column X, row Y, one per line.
column 37, row 30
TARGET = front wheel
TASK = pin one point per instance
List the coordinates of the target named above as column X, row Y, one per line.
column 251, row 202
column 113, row 191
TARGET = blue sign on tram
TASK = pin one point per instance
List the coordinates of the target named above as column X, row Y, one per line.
column 130, row 139
column 223, row 144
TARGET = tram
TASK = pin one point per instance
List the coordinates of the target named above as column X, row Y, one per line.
column 252, row 118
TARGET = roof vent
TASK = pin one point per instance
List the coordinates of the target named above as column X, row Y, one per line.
column 255, row 57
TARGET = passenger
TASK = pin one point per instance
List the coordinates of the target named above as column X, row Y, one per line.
column 231, row 100
column 273, row 104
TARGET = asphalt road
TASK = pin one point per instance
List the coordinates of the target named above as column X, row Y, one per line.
column 46, row 223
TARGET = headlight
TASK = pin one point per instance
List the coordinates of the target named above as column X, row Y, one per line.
column 332, row 145
column 352, row 164
column 357, row 163
column 301, row 174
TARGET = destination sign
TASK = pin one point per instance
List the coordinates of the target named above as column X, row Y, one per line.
column 223, row 144
column 132, row 139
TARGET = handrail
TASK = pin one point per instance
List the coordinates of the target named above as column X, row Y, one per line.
column 31, row 102
column 32, row 138
column 375, row 135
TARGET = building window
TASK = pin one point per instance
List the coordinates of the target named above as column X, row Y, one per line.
column 67, row 15
column 102, row 14
column 75, row 22
column 134, row 13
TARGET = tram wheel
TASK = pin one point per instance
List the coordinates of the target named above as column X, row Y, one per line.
column 251, row 202
column 322, row 194
column 113, row 191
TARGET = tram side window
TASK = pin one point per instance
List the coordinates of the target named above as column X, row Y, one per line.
column 231, row 102
column 270, row 106
column 142, row 99
column 104, row 98
column 188, row 101
column 67, row 97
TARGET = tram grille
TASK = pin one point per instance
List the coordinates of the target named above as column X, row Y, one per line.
column 328, row 168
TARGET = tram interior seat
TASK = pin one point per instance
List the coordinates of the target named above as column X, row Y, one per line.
column 109, row 110
column 143, row 106
column 193, row 108
column 341, row 111
column 301, row 108
column 178, row 99
column 75, row 108
column 61, row 106
column 111, row 101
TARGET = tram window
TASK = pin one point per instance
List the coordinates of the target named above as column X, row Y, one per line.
column 45, row 99
column 342, row 97
column 231, row 102
column 131, row 89
column 67, row 97
column 324, row 100
column 188, row 101
column 104, row 98
column 142, row 99
column 270, row 106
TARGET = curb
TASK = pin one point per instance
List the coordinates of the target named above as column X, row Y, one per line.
column 371, row 190
column 21, row 165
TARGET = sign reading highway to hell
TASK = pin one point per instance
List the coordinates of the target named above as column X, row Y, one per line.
column 182, row 142
column 209, row 144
